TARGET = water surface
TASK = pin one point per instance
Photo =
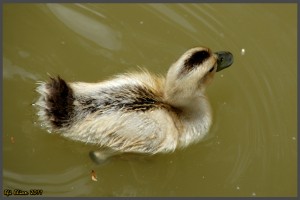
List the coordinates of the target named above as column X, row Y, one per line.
column 251, row 149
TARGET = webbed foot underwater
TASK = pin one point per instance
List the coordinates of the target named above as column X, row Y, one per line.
column 135, row 112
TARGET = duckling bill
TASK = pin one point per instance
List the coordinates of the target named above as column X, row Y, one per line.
column 135, row 112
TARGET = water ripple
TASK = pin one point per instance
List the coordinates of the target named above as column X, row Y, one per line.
column 88, row 27
column 70, row 182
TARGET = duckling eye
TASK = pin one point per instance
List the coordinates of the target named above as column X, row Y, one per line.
column 211, row 69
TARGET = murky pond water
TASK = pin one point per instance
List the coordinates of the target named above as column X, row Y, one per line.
column 251, row 149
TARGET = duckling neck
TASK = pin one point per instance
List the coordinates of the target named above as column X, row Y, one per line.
column 196, row 120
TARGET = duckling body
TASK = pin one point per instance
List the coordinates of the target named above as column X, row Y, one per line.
column 135, row 112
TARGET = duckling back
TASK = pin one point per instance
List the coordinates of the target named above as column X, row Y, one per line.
column 126, row 114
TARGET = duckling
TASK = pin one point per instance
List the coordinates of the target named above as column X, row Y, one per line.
column 135, row 112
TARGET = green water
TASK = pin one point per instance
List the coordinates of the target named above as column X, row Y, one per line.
column 251, row 149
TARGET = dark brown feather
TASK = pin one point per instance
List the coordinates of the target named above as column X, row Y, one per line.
column 59, row 102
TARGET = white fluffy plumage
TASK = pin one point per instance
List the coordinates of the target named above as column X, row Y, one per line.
column 134, row 112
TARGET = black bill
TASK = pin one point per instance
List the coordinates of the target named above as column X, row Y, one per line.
column 225, row 59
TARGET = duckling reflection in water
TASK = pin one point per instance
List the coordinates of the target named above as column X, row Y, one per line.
column 135, row 112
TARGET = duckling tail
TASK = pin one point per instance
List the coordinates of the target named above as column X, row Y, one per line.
column 55, row 103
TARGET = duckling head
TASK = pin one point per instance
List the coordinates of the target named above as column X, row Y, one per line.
column 189, row 76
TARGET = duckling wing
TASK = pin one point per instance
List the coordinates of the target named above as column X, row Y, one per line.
column 139, row 132
column 125, row 114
